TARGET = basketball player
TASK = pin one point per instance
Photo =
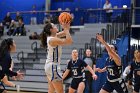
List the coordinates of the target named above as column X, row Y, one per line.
column 135, row 71
column 52, row 40
column 7, row 46
column 114, row 70
column 76, row 66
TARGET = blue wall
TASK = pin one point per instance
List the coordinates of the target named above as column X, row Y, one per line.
column 137, row 12
column 27, row 5
column 82, row 4
column 19, row 5
column 72, row 4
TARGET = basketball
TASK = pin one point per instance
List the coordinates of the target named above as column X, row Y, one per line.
column 65, row 17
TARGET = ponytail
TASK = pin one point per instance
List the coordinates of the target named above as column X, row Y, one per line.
column 45, row 33
column 43, row 39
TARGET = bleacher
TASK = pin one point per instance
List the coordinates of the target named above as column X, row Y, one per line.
column 30, row 57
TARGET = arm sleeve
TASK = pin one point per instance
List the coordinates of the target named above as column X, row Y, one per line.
column 84, row 64
column 68, row 66
column 93, row 60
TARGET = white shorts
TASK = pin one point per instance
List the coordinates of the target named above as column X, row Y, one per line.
column 53, row 71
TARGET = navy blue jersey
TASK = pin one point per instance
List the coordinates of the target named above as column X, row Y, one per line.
column 5, row 64
column 113, row 71
column 135, row 71
column 76, row 67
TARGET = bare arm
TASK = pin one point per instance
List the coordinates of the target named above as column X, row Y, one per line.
column 65, row 26
column 12, row 65
column 65, row 74
column 8, row 83
column 61, row 34
column 92, row 72
column 58, row 41
column 90, row 69
column 101, row 70
column 115, row 56
column 62, row 41
column 94, row 68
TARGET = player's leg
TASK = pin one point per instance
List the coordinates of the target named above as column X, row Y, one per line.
column 71, row 90
column 58, row 85
column 51, row 88
column 48, row 71
column 81, row 87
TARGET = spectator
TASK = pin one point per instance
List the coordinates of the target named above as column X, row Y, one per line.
column 91, row 62
column 47, row 20
column 55, row 19
column 12, row 28
column 72, row 14
column 34, row 36
column 107, row 6
column 20, row 29
column 18, row 16
column 7, row 20
column 1, row 29
column 34, row 15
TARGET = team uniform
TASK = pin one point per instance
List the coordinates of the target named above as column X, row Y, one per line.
column 114, row 79
column 77, row 68
column 5, row 65
column 135, row 73
column 52, row 65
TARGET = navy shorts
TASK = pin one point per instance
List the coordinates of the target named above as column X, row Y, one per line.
column 119, row 86
column 76, row 81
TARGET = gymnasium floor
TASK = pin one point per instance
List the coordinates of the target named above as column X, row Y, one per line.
column 23, row 92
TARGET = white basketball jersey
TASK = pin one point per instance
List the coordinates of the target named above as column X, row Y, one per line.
column 54, row 53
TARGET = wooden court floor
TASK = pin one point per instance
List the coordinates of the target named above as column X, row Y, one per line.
column 24, row 92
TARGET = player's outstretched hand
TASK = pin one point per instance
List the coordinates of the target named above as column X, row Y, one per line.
column 99, row 37
column 95, row 77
